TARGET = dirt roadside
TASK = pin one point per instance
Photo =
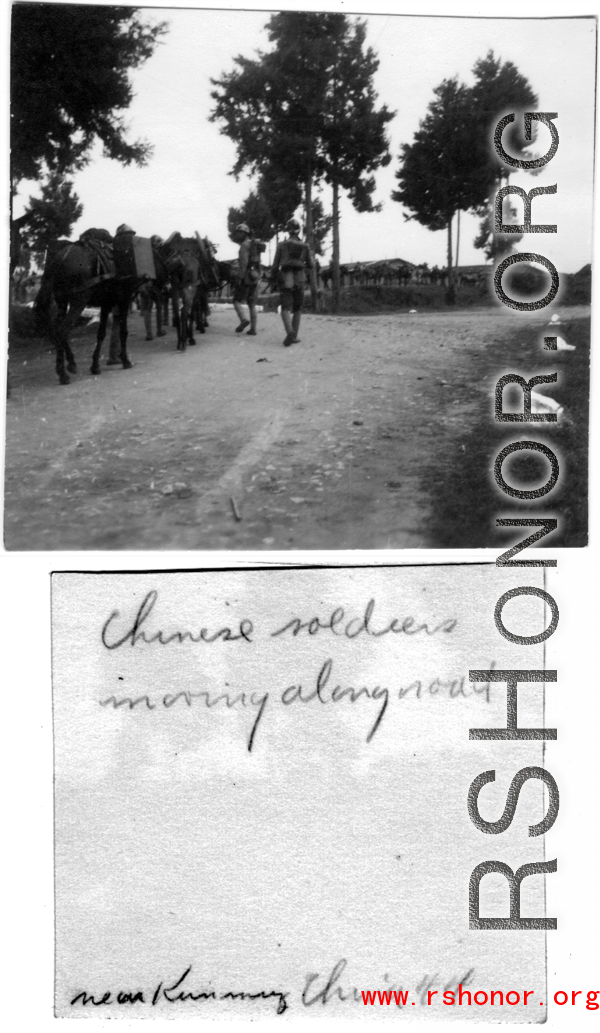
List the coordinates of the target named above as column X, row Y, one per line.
column 240, row 443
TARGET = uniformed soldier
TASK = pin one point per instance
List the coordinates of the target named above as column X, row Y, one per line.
column 292, row 259
column 246, row 287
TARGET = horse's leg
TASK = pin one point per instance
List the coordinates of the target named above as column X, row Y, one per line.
column 59, row 345
column 164, row 310
column 204, row 311
column 145, row 301
column 69, row 312
column 187, row 312
column 199, row 311
column 105, row 310
column 71, row 364
column 61, row 372
column 177, row 319
column 113, row 348
column 124, row 305
column 196, row 314
column 158, row 301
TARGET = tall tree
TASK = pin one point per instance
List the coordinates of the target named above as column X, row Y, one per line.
column 322, row 224
column 307, row 109
column 436, row 176
column 353, row 143
column 496, row 245
column 451, row 166
column 70, row 84
column 282, row 194
column 51, row 216
column 499, row 89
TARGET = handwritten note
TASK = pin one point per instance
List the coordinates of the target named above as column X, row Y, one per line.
column 261, row 783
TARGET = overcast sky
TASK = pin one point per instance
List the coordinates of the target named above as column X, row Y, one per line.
column 186, row 185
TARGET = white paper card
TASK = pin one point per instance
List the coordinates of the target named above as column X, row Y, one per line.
column 261, row 792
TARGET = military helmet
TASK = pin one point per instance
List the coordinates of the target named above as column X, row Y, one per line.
column 124, row 228
column 293, row 225
column 242, row 228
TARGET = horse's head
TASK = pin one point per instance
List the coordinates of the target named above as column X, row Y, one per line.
column 214, row 264
column 211, row 275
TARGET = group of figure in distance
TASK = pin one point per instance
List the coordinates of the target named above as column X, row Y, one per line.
column 292, row 262
column 99, row 270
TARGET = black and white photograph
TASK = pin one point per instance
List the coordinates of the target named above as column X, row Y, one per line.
column 300, row 514
column 267, row 268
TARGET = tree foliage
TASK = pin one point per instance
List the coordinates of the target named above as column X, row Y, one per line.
column 451, row 165
column 495, row 245
column 255, row 212
column 271, row 106
column 70, row 84
column 322, row 224
column 498, row 89
column 282, row 194
column 307, row 109
column 436, row 176
column 51, row 216
column 267, row 209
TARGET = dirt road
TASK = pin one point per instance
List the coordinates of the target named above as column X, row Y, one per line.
column 240, row 443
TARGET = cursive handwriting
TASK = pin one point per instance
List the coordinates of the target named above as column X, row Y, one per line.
column 169, row 700
column 169, row 994
column 133, row 634
column 320, row 989
column 177, row 992
column 323, row 690
column 334, row 694
column 338, row 624
column 329, row 987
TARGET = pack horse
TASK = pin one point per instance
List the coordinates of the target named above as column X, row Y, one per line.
column 193, row 272
column 96, row 270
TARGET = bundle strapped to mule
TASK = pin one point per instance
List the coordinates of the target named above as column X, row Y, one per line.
column 134, row 257
column 99, row 242
column 125, row 256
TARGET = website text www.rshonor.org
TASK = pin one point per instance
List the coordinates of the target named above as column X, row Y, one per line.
column 481, row 997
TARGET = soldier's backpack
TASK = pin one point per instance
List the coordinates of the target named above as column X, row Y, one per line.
column 253, row 271
column 293, row 254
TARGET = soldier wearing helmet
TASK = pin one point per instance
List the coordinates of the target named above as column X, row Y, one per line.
column 292, row 259
column 246, row 285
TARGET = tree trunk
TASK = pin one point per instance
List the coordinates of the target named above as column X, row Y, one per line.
column 335, row 254
column 456, row 262
column 310, row 238
column 450, row 291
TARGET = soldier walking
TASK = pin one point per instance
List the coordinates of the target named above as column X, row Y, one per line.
column 246, row 287
column 292, row 259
